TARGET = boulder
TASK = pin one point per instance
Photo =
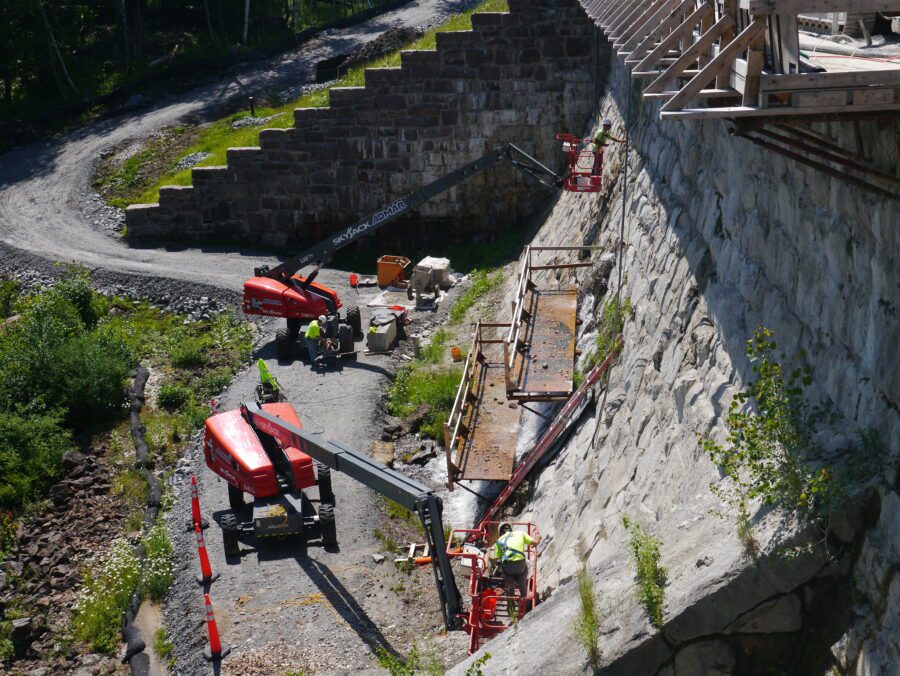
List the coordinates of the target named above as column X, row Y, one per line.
column 61, row 493
column 73, row 459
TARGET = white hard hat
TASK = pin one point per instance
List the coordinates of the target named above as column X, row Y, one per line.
column 607, row 122
column 322, row 318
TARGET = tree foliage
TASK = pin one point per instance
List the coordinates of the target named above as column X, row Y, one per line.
column 56, row 52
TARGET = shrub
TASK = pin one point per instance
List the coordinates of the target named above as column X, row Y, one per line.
column 188, row 352
column 88, row 380
column 31, row 448
column 587, row 624
column 650, row 575
column 8, row 529
column 158, row 572
column 173, row 397
column 769, row 448
column 106, row 594
column 214, row 381
column 9, row 296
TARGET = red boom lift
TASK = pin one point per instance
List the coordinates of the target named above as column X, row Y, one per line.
column 281, row 292
column 262, row 449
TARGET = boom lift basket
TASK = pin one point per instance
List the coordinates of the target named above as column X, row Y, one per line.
column 581, row 176
column 491, row 611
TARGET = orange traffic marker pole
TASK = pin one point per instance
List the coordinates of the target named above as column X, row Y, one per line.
column 215, row 651
column 196, row 517
column 205, row 576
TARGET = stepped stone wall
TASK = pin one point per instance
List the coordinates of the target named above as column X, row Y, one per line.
column 515, row 77
column 719, row 237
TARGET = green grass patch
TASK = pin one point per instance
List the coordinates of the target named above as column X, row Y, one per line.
column 482, row 283
column 131, row 486
column 651, row 576
column 162, row 646
column 416, row 385
column 217, row 137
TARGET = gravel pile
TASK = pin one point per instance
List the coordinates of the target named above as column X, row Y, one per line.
column 189, row 161
column 103, row 217
column 250, row 121
column 196, row 301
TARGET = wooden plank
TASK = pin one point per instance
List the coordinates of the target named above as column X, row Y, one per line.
column 690, row 72
column 649, row 19
column 685, row 28
column 702, row 94
column 811, row 99
column 859, row 78
column 724, row 56
column 815, row 6
column 755, row 56
column 670, row 22
column 781, row 111
column 873, row 96
column 691, row 54
column 625, row 21
column 620, row 11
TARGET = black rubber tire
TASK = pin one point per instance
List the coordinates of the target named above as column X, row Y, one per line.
column 327, row 525
column 293, row 327
column 326, row 493
column 235, row 497
column 283, row 345
column 345, row 338
column 230, row 535
column 354, row 320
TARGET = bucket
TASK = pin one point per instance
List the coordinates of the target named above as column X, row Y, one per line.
column 456, row 353
column 354, row 280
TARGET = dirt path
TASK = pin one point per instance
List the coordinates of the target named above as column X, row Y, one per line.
column 47, row 206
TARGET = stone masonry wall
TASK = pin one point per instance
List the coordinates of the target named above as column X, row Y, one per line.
column 719, row 237
column 515, row 77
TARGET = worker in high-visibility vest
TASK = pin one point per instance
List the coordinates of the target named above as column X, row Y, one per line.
column 313, row 333
column 599, row 142
column 509, row 551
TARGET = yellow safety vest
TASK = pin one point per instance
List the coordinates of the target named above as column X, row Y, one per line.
column 313, row 330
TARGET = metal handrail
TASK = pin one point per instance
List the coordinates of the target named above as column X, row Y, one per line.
column 459, row 405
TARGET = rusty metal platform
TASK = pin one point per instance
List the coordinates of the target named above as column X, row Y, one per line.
column 545, row 366
column 481, row 433
column 539, row 351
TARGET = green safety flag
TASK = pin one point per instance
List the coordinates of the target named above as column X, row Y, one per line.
column 265, row 377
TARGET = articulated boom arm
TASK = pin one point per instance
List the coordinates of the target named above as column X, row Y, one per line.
column 393, row 485
column 322, row 252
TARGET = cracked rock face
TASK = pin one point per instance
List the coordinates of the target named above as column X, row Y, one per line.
column 718, row 238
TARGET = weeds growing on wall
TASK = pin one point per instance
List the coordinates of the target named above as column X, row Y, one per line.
column 587, row 623
column 651, row 576
column 610, row 321
column 769, row 455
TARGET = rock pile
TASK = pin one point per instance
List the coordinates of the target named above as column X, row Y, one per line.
column 40, row 577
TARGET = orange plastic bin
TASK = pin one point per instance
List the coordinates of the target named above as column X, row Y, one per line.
column 391, row 270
